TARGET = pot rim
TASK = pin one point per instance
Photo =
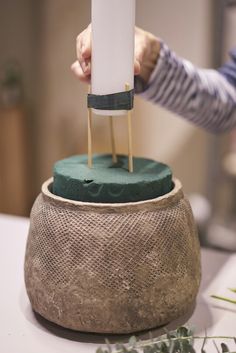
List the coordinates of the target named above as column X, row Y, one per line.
column 172, row 197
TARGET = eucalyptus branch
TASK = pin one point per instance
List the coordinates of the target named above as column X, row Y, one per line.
column 179, row 341
column 232, row 301
column 224, row 299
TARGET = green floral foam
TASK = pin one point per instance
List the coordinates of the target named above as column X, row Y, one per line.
column 106, row 182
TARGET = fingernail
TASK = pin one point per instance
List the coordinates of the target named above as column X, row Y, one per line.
column 89, row 66
column 84, row 66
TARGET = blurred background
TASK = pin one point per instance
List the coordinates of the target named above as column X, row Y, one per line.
column 43, row 106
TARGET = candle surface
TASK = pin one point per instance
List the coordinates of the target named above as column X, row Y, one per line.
column 113, row 23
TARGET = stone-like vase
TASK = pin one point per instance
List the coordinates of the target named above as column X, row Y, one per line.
column 112, row 268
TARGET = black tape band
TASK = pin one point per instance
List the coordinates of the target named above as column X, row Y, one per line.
column 116, row 101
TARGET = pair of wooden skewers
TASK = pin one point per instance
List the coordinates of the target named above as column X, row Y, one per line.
column 113, row 145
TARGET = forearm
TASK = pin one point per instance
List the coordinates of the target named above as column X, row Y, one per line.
column 203, row 97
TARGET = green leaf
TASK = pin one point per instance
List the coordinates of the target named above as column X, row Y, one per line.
column 147, row 350
column 170, row 334
column 174, row 347
column 186, row 347
column 100, row 350
column 232, row 290
column 164, row 348
column 182, row 332
column 124, row 349
column 108, row 345
column 150, row 335
column 132, row 341
column 224, row 348
column 153, row 348
column 118, row 346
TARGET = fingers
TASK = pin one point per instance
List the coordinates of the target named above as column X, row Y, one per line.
column 137, row 67
column 83, row 50
column 86, row 43
column 77, row 70
column 82, row 67
column 138, row 59
column 147, row 50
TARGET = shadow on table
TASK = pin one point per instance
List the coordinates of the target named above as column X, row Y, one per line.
column 84, row 337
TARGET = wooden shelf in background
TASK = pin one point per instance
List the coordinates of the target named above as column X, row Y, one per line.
column 14, row 194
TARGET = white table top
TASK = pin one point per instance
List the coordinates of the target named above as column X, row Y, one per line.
column 21, row 332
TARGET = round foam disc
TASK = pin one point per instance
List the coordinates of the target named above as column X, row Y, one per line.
column 106, row 182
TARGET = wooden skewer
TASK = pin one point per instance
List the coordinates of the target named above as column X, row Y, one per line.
column 130, row 144
column 113, row 146
column 90, row 159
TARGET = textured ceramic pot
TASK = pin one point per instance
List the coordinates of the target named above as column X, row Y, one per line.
column 112, row 268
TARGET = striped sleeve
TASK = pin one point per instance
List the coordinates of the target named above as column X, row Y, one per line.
column 204, row 97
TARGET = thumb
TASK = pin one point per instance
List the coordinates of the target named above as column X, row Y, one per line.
column 137, row 67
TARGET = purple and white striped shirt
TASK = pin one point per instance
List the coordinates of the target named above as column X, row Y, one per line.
column 204, row 97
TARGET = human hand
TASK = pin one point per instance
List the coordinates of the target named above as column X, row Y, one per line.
column 147, row 49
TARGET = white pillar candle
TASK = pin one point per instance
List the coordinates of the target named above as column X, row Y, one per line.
column 113, row 23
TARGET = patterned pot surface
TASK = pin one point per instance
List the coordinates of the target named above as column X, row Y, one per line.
column 112, row 268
